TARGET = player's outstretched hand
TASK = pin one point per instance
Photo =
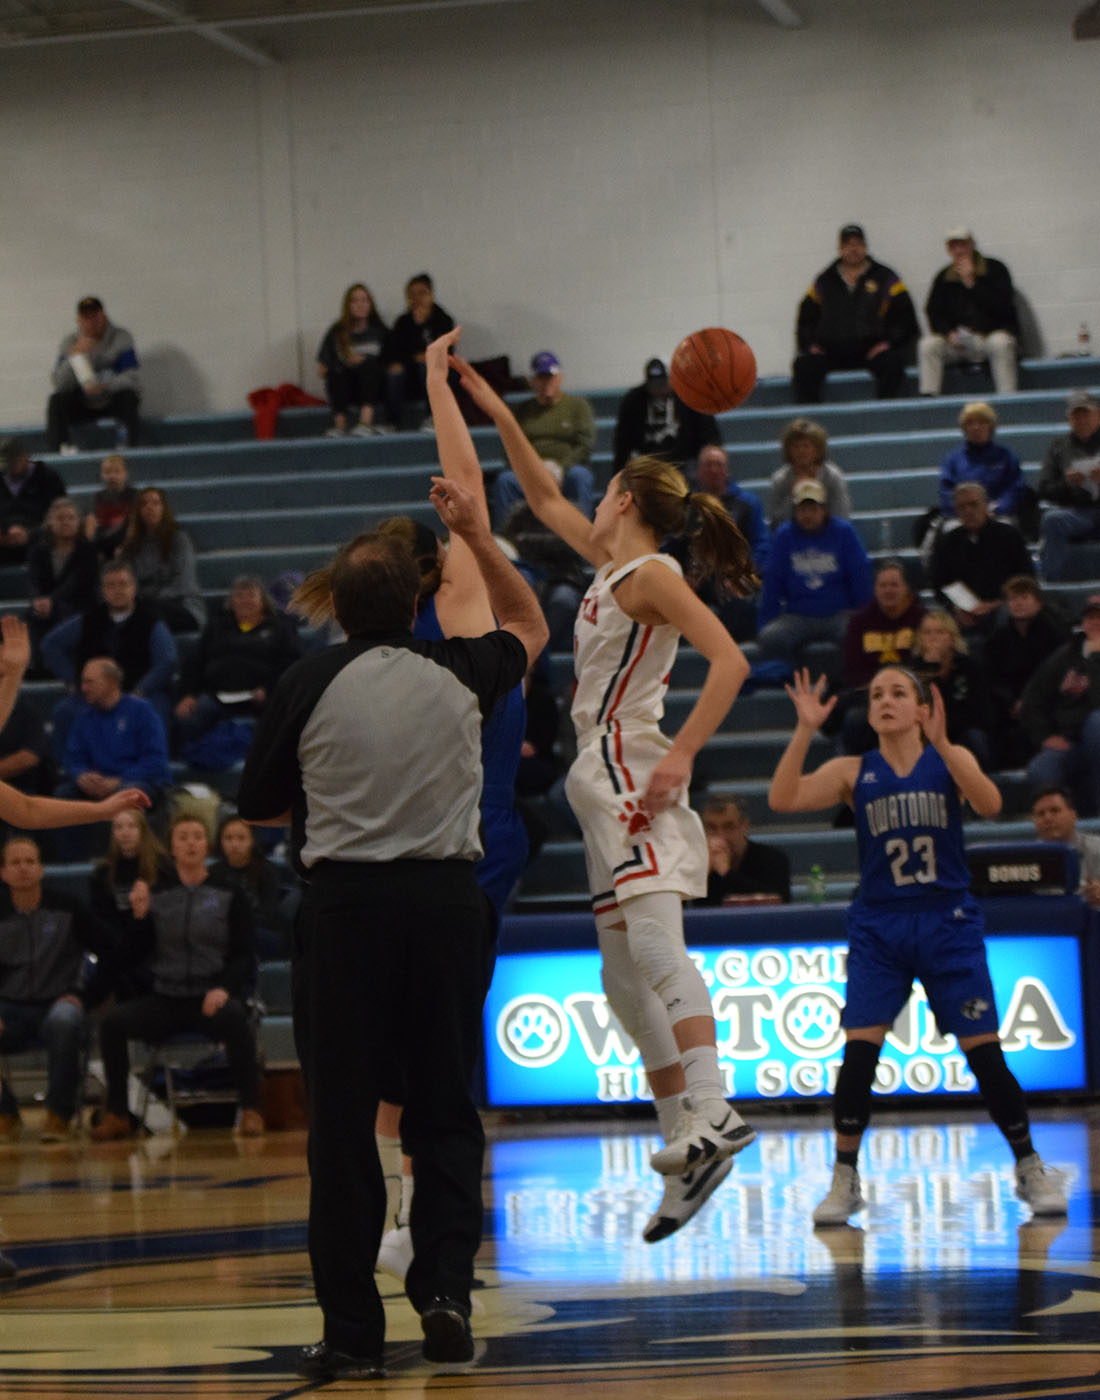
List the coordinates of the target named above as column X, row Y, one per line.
column 933, row 719
column 812, row 709
column 15, row 653
column 122, row 801
column 436, row 355
column 458, row 508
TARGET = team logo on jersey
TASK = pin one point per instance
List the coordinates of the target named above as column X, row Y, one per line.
column 634, row 818
column 975, row 1008
column 590, row 608
column 868, row 777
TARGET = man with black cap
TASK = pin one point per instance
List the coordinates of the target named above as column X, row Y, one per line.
column 653, row 421
column 971, row 311
column 858, row 314
column 1070, row 481
column 561, row 428
column 26, row 490
column 96, row 376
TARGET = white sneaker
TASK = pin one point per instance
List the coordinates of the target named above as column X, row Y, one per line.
column 712, row 1131
column 363, row 430
column 69, row 449
column 1041, row 1187
column 334, row 432
column 683, row 1196
column 843, row 1200
column 395, row 1253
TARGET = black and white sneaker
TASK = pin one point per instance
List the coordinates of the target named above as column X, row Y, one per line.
column 683, row 1196
column 704, row 1134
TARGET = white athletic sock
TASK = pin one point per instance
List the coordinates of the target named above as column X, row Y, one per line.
column 389, row 1154
column 406, row 1201
column 668, row 1111
column 704, row 1083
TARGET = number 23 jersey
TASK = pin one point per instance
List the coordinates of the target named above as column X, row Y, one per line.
column 909, row 830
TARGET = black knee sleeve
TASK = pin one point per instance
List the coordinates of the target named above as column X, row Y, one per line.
column 852, row 1096
column 1000, row 1090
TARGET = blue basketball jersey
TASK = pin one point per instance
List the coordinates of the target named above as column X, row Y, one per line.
column 909, row 830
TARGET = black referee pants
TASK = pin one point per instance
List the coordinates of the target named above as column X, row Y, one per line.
column 391, row 966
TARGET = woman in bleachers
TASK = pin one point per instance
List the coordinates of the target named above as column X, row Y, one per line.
column 349, row 361
column 162, row 557
column 805, row 446
column 242, row 864
column 940, row 656
column 991, row 464
column 62, row 569
column 105, row 524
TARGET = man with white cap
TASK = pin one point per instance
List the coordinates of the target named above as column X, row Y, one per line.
column 971, row 312
column 817, row 573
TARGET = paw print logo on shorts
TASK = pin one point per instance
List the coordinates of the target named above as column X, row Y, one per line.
column 634, row 818
column 533, row 1030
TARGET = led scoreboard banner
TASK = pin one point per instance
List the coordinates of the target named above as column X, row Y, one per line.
column 776, row 981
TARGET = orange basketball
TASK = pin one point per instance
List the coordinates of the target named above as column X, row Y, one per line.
column 712, row 370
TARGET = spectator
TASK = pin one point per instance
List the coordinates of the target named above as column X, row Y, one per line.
column 244, row 649
column 45, row 936
column 350, row 362
column 105, row 523
column 197, row 943
column 96, row 376
column 129, row 632
column 737, row 867
column 1061, row 713
column 971, row 311
column 655, row 422
column 817, row 574
column 406, row 347
column 557, row 573
column 744, row 509
column 804, row 445
column 1070, row 481
column 134, row 853
column 27, row 489
column 940, row 656
column 25, row 750
column 242, row 865
column 562, row 430
column 116, row 740
column 982, row 555
column 1055, row 819
column 991, row 465
column 163, row 560
column 61, row 569
column 1016, row 648
column 857, row 315
column 880, row 634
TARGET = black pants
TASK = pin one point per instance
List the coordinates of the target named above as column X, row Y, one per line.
column 887, row 368
column 350, row 386
column 391, row 964
column 155, row 1017
column 70, row 406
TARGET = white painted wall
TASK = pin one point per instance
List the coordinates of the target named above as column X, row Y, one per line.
column 597, row 177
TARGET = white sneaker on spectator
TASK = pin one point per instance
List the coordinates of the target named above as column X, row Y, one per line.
column 335, row 432
column 1041, row 1187
column 68, row 449
column 713, row 1130
column 395, row 1253
column 362, row 430
column 844, row 1197
column 684, row 1196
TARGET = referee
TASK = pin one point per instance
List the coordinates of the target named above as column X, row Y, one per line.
column 372, row 751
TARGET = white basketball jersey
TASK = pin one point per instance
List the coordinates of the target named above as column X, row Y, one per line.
column 622, row 666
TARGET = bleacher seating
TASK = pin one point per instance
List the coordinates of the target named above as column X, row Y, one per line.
column 287, row 503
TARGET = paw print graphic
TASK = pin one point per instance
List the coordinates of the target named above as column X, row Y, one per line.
column 533, row 1030
column 634, row 817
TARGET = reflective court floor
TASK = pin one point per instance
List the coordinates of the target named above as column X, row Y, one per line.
column 177, row 1267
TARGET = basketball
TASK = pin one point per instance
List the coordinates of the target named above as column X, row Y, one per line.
column 712, row 370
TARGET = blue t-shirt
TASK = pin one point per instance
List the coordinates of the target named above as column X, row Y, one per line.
column 909, row 830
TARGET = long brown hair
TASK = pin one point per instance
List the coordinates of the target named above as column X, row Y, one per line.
column 151, row 856
column 343, row 326
column 372, row 585
column 137, row 532
column 312, row 599
column 421, row 544
column 669, row 507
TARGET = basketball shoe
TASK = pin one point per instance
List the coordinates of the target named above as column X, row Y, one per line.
column 395, row 1253
column 1041, row 1187
column 843, row 1200
column 683, row 1196
column 704, row 1134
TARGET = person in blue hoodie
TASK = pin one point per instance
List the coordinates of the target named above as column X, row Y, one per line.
column 816, row 574
column 996, row 467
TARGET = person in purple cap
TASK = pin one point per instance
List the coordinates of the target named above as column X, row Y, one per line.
column 562, row 429
column 858, row 314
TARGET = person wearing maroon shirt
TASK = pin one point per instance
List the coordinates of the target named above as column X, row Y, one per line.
column 880, row 634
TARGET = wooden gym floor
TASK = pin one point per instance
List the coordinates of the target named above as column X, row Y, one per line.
column 177, row 1268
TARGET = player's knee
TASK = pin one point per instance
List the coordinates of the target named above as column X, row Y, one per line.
column 852, row 1096
column 663, row 963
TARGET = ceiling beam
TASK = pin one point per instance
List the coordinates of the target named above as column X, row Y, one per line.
column 180, row 19
column 782, row 13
